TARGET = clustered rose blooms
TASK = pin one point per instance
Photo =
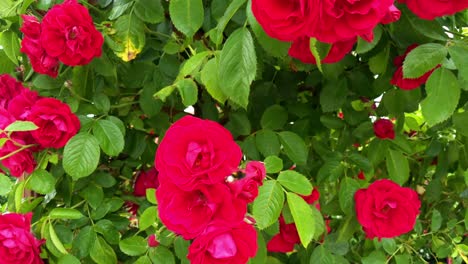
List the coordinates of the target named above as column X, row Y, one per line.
column 66, row 34
column 384, row 128
column 430, row 9
column 56, row 125
column 407, row 83
column 203, row 195
column 17, row 244
column 337, row 22
column 288, row 236
column 385, row 209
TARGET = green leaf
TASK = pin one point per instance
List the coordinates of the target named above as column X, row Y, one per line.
column 274, row 117
column 459, row 55
column 164, row 93
column 181, row 247
column 148, row 217
column 322, row 255
column 81, row 155
column 18, row 126
column 41, row 181
column 109, row 136
column 83, row 242
column 161, row 255
column 150, row 11
column 108, row 230
column 188, row 91
column 362, row 162
column 331, row 170
column 133, row 246
column 187, row 15
column 294, row 147
column 303, row 218
column 363, row 46
column 129, row 39
column 423, row 59
column 65, row 213
column 460, row 121
column 193, row 64
column 333, row 95
column 68, row 259
column 267, row 206
column 11, row 45
column 102, row 253
column 143, row 260
column 273, row 164
column 378, row 63
column 151, row 195
column 56, row 241
column 436, row 220
column 442, row 89
column 228, row 14
column 267, row 142
column 273, row 46
column 295, row 182
column 93, row 194
column 211, row 81
column 348, row 188
column 319, row 50
column 403, row 259
column 429, row 28
column 376, row 257
column 238, row 66
column 5, row 184
column 397, row 166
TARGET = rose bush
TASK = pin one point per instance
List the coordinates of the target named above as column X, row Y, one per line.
column 239, row 131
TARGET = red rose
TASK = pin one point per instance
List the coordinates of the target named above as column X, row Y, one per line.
column 20, row 106
column 31, row 46
column 312, row 198
column 435, row 8
column 195, row 152
column 386, row 210
column 9, row 88
column 342, row 19
column 300, row 49
column 188, row 213
column 246, row 188
column 17, row 244
column 224, row 242
column 285, row 20
column 145, row 180
column 383, row 128
column 285, row 240
column 407, row 83
column 152, row 242
column 20, row 162
column 68, row 33
column 57, row 124
column 393, row 14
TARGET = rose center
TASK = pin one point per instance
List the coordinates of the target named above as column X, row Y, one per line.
column 73, row 33
column 222, row 246
column 197, row 155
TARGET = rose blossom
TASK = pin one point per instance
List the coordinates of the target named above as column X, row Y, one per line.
column 407, row 83
column 20, row 162
column 224, row 242
column 383, row 128
column 393, row 14
column 68, row 33
column 386, row 210
column 285, row 20
column 300, row 49
column 246, row 188
column 285, row 240
column 145, row 180
column 195, row 152
column 31, row 46
column 20, row 105
column 188, row 213
column 9, row 88
column 152, row 242
column 57, row 124
column 430, row 9
column 17, row 244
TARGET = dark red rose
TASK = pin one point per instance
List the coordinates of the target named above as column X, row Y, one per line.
column 342, row 19
column 361, row 175
column 300, row 49
column 31, row 46
column 224, row 242
column 393, row 14
column 17, row 244
column 285, row 240
column 407, row 83
column 145, row 180
column 384, row 128
column 68, row 33
column 57, row 124
column 285, row 20
column 386, row 210
column 195, row 152
column 188, row 213
column 430, row 9
column 9, row 88
column 20, row 162
column 152, row 242
column 246, row 188
column 20, row 106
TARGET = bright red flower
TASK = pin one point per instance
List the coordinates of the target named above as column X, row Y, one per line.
column 152, row 242
column 384, row 128
column 9, row 89
column 430, row 9
column 386, row 210
column 19, row 163
column 285, row 240
column 246, row 188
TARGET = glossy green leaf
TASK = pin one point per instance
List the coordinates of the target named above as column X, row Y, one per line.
column 423, row 59
column 303, row 218
column 133, row 246
column 267, row 206
column 397, row 166
column 150, row 11
column 81, row 155
column 294, row 146
column 295, row 182
column 187, row 15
